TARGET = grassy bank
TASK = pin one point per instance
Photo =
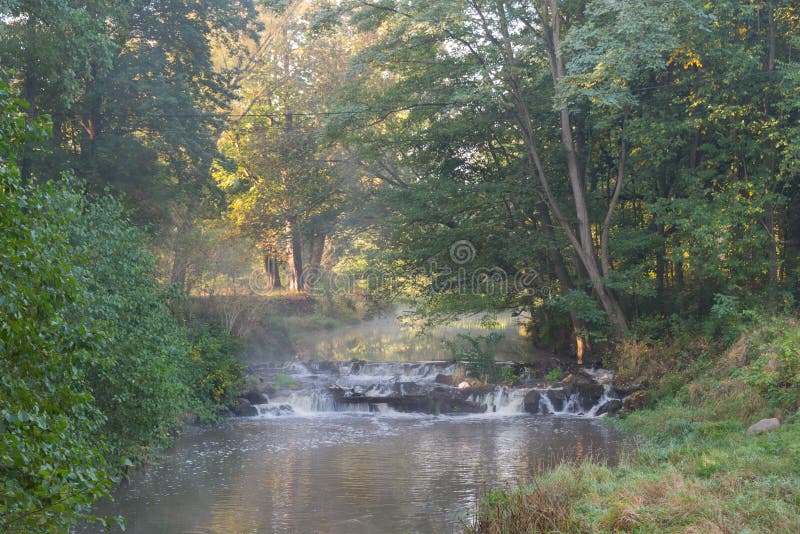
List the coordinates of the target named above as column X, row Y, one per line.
column 692, row 468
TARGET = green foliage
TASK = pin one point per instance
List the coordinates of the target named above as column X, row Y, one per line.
column 52, row 466
column 724, row 317
column 693, row 106
column 215, row 375
column 94, row 368
column 476, row 353
column 554, row 375
column 775, row 369
column 140, row 352
column 586, row 309
column 507, row 374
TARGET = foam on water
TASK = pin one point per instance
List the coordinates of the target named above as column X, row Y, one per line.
column 373, row 388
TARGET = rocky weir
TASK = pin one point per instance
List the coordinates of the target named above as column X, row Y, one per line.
column 434, row 387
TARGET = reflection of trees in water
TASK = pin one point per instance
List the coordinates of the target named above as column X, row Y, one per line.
column 343, row 474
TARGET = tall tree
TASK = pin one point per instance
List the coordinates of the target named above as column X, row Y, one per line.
column 285, row 187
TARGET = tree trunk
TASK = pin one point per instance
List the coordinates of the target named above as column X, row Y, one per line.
column 294, row 255
column 316, row 248
column 581, row 238
column 582, row 345
column 272, row 275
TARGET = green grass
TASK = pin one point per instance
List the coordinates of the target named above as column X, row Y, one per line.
column 692, row 467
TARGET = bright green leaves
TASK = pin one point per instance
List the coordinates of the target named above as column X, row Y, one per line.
column 50, row 467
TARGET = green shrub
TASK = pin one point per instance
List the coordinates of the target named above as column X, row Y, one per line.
column 476, row 353
column 508, row 374
column 215, row 375
column 775, row 367
column 554, row 375
column 140, row 352
column 95, row 370
column 52, row 464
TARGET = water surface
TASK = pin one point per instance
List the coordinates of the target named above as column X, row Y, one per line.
column 347, row 473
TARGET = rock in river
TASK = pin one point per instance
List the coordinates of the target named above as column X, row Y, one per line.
column 243, row 408
column 611, row 407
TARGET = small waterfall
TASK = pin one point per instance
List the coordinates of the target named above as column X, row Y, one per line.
column 308, row 402
column 425, row 387
column 502, row 401
column 608, row 395
column 391, row 371
column 546, row 405
column 571, row 404
column 514, row 403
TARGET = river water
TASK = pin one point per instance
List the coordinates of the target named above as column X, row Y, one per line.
column 348, row 471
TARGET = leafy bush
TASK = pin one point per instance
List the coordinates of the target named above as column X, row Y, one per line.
column 476, row 353
column 94, row 368
column 140, row 352
column 775, row 369
column 508, row 374
column 724, row 319
column 52, row 466
column 215, row 375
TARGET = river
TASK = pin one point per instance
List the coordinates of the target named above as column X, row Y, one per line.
column 367, row 470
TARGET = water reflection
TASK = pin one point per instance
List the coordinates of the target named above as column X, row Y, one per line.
column 346, row 473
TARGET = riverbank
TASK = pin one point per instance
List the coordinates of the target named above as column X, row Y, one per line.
column 694, row 467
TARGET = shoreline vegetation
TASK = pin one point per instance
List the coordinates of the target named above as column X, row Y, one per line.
column 693, row 466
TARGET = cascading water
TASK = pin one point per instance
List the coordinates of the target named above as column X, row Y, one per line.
column 435, row 387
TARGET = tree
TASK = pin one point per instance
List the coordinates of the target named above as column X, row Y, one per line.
column 136, row 101
column 585, row 127
column 285, row 188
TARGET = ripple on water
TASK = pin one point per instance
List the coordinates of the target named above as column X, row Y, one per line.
column 346, row 473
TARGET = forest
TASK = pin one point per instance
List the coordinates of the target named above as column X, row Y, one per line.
column 625, row 175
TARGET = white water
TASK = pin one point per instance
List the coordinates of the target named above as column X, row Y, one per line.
column 357, row 387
